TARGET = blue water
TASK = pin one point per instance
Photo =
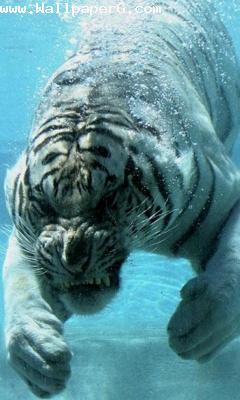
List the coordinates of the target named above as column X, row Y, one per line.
column 121, row 353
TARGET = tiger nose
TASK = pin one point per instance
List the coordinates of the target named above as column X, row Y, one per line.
column 75, row 248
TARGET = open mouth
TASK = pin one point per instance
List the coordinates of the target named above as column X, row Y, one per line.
column 89, row 296
column 90, row 284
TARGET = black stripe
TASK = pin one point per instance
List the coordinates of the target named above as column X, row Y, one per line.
column 101, row 119
column 153, row 131
column 20, row 199
column 67, row 78
column 101, row 151
column 96, row 165
column 174, row 49
column 66, row 189
column 49, row 173
column 200, row 218
column 70, row 115
column 64, row 136
column 106, row 109
column 63, row 177
column 79, row 187
column 44, row 208
column 175, row 35
column 38, row 212
column 194, row 188
column 32, row 197
column 38, row 189
column 49, row 129
column 13, row 202
column 51, row 156
column 162, row 187
column 137, row 178
column 55, row 187
column 230, row 123
column 26, row 178
column 176, row 147
column 133, row 149
column 104, row 132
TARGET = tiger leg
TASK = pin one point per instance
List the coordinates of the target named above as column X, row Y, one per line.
column 33, row 334
column 208, row 315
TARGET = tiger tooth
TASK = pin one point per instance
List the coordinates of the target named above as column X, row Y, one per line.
column 106, row 281
column 88, row 282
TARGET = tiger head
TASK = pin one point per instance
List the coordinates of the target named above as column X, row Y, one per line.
column 82, row 260
column 84, row 241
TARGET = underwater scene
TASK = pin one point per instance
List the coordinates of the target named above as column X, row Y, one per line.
column 117, row 341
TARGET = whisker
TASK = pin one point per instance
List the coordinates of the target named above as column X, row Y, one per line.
column 145, row 210
column 6, row 229
column 24, row 244
column 40, row 272
column 149, row 241
column 163, row 234
column 137, row 206
column 2, row 250
column 26, row 237
column 153, row 227
column 27, row 233
column 147, row 221
column 29, row 259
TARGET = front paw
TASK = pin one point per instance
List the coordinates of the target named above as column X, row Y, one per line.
column 208, row 316
column 37, row 351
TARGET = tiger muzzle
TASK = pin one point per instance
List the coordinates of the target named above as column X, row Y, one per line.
column 75, row 248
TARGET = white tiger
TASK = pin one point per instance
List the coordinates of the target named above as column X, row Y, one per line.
column 130, row 148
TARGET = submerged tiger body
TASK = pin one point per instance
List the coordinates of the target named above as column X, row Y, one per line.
column 130, row 149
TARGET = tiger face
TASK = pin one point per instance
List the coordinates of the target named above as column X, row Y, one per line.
column 82, row 260
column 80, row 193
column 79, row 177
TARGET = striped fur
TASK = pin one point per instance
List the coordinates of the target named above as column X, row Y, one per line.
column 131, row 148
